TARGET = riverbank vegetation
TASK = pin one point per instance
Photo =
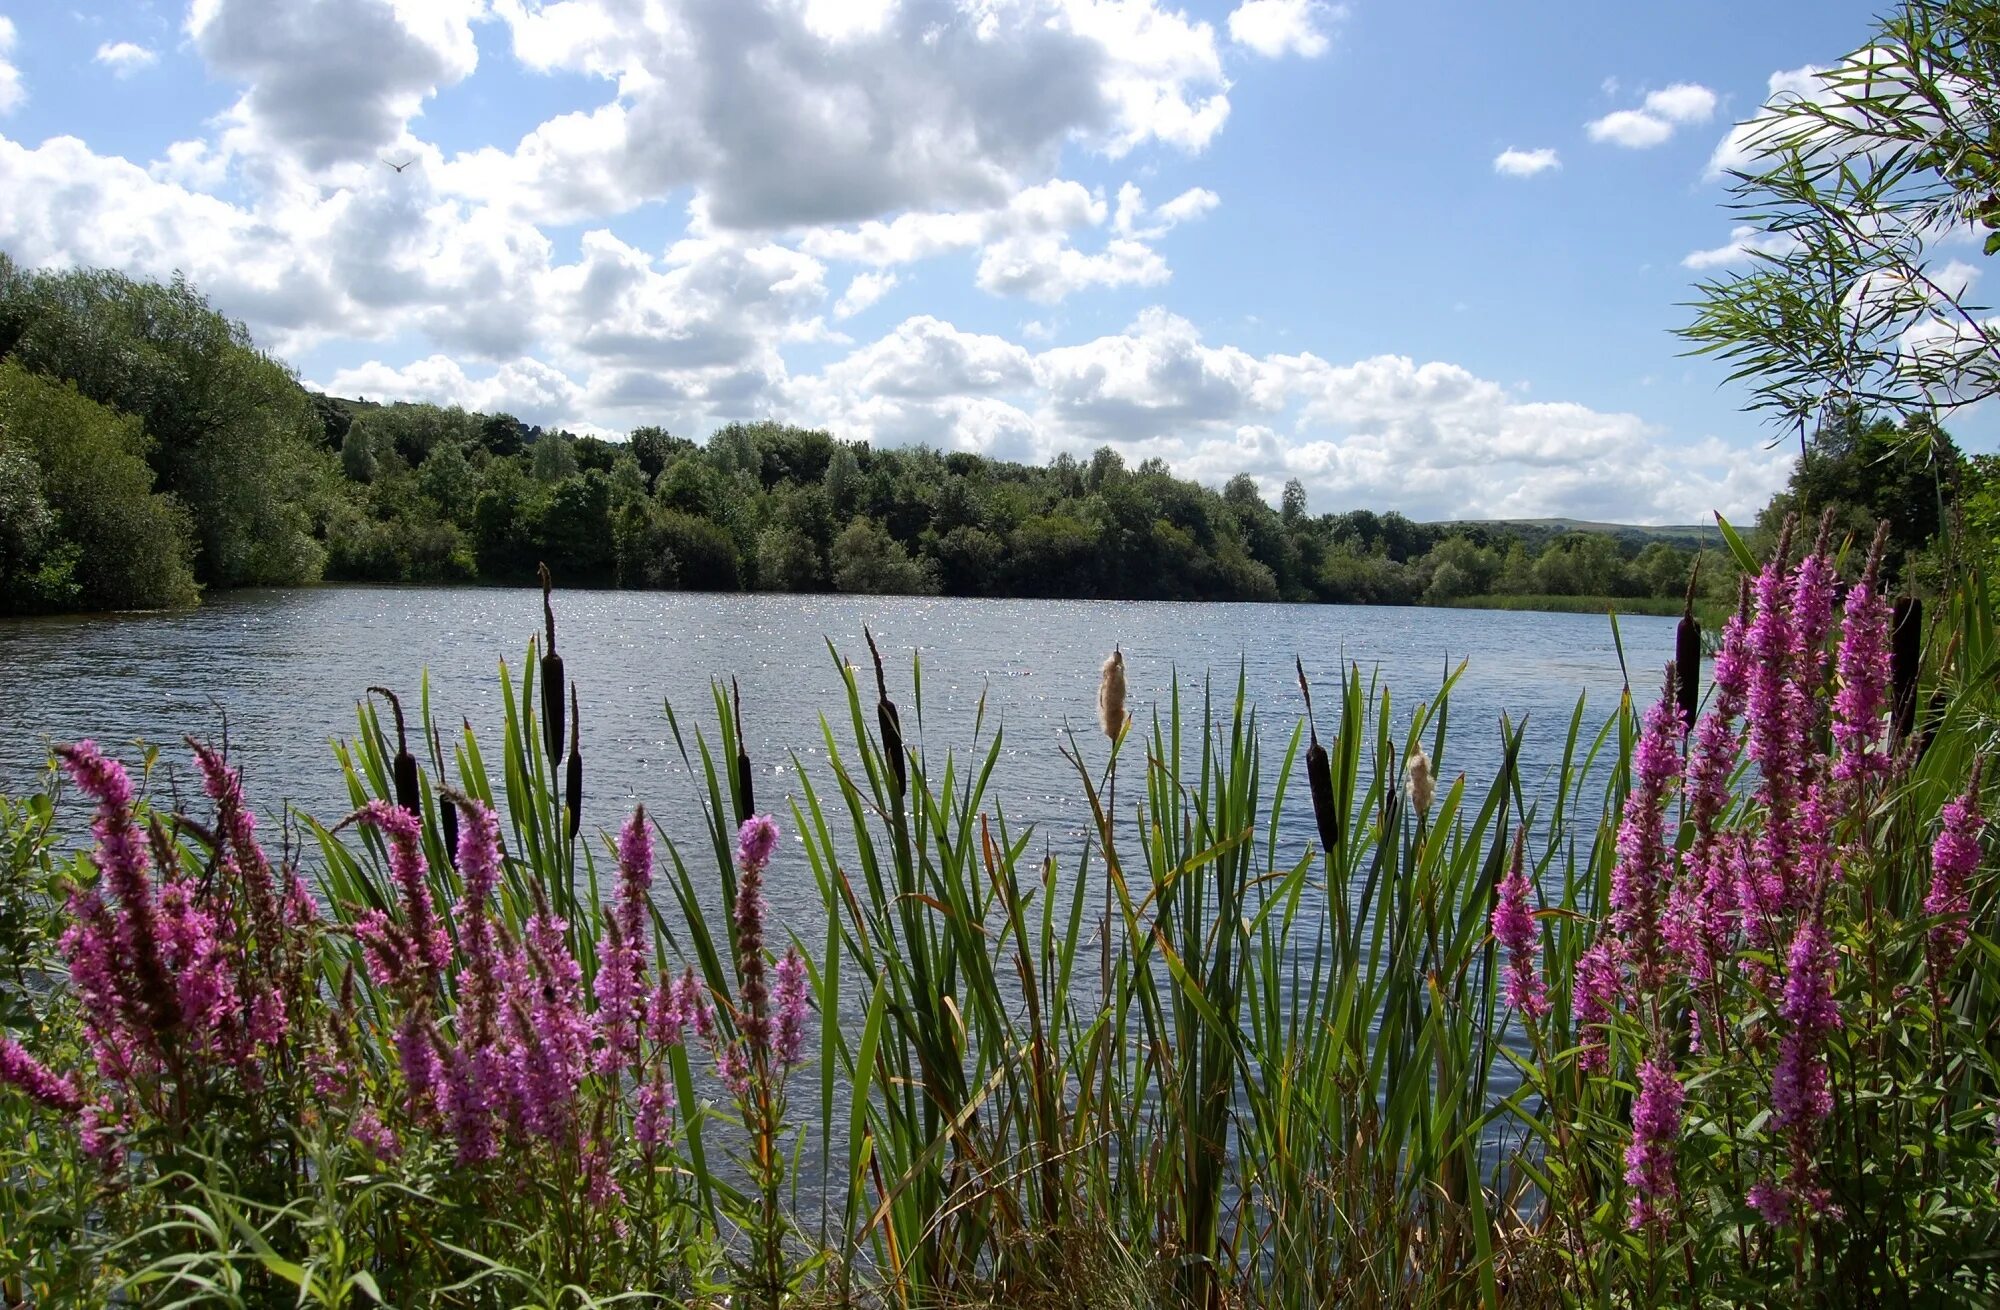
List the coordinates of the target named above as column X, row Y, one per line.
column 1307, row 1014
column 153, row 451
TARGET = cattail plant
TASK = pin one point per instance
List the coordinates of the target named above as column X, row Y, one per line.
column 1419, row 786
column 1687, row 655
column 746, row 795
column 573, row 772
column 1319, row 776
column 447, row 811
column 891, row 724
column 409, row 791
column 1111, row 714
column 552, row 673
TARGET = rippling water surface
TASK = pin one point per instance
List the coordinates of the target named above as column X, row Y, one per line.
column 285, row 667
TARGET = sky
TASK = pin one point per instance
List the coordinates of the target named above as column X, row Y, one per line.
column 1419, row 255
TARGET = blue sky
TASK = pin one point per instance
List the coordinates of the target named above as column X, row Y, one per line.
column 1420, row 255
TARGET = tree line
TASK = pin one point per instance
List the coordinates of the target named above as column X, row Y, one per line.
column 149, row 450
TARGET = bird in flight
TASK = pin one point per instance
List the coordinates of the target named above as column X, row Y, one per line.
column 400, row 167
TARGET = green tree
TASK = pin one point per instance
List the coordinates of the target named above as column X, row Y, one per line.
column 101, row 536
column 1857, row 190
column 231, row 433
column 866, row 559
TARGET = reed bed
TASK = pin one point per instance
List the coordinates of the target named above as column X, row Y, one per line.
column 1710, row 1024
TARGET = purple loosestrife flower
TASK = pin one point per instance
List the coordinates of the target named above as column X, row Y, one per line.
column 650, row 1119
column 755, row 843
column 1639, row 880
column 1701, row 906
column 478, row 862
column 1800, row 1094
column 369, row 1130
column 24, row 1071
column 205, row 985
column 1600, row 990
column 406, row 865
column 133, row 973
column 1859, row 708
column 551, row 1048
column 792, row 1008
column 236, row 827
column 692, row 1007
column 621, row 970
column 469, row 1103
column 416, row 1052
column 1514, row 928
column 1954, row 857
column 1649, row 1159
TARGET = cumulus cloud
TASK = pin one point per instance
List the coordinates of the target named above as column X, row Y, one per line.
column 11, row 91
column 1744, row 245
column 1430, row 438
column 864, row 291
column 788, row 114
column 336, row 80
column 125, row 58
column 1738, row 147
column 1274, row 28
column 1512, row 162
column 1655, row 121
column 1027, row 246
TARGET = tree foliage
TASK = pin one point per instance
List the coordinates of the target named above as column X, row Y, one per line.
column 1866, row 191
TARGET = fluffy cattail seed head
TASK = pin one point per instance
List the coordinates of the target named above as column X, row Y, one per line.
column 1111, row 695
column 1418, row 784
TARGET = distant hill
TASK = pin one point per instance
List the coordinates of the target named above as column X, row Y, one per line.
column 1534, row 532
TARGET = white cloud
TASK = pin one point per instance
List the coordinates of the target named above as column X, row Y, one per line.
column 1026, row 246
column 1743, row 246
column 1274, row 28
column 1512, row 162
column 1738, row 147
column 526, row 388
column 1048, row 269
column 1663, row 111
column 1683, row 102
column 786, row 117
column 865, row 290
column 11, row 91
column 334, row 81
column 125, row 58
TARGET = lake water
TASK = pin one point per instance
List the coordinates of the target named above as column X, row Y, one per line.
column 285, row 669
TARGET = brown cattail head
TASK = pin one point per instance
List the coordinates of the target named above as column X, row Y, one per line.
column 746, row 800
column 1111, row 694
column 447, row 811
column 890, row 723
column 1687, row 656
column 573, row 776
column 1319, row 774
column 409, row 794
column 552, row 674
column 1906, row 648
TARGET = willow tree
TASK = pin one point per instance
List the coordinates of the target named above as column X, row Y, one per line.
column 1872, row 189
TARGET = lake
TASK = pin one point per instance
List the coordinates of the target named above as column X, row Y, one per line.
column 284, row 668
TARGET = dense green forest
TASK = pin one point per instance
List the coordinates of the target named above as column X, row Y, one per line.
column 149, row 450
